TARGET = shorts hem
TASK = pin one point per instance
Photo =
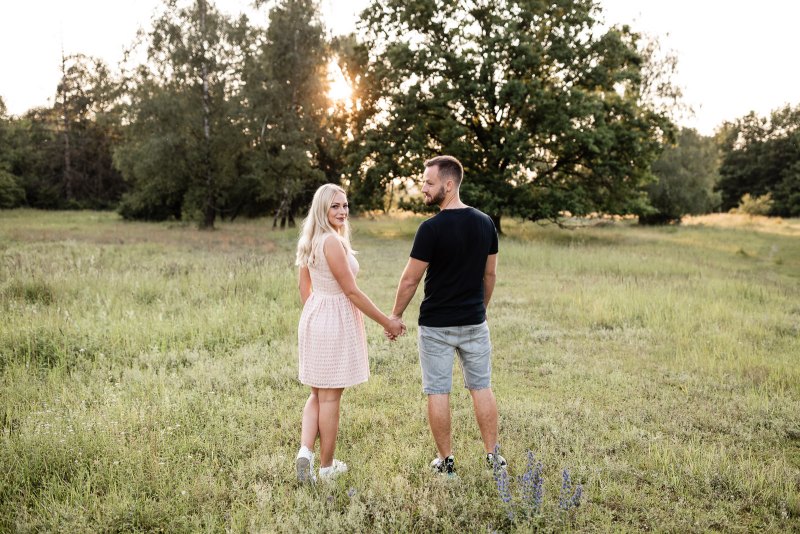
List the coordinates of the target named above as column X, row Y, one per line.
column 438, row 392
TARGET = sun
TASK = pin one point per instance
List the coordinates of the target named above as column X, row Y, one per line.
column 339, row 91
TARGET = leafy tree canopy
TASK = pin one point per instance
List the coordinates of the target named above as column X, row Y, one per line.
column 686, row 173
column 543, row 107
column 181, row 146
column 762, row 156
column 286, row 110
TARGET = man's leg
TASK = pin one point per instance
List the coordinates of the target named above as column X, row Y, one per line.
column 439, row 421
column 436, row 361
column 485, row 406
column 475, row 354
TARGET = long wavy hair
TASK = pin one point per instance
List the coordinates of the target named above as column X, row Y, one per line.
column 316, row 225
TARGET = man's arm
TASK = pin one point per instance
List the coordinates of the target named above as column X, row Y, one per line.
column 409, row 281
column 489, row 278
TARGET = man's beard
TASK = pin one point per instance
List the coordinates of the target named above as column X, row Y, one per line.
column 437, row 199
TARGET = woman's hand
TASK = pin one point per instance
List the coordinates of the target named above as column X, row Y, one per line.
column 396, row 328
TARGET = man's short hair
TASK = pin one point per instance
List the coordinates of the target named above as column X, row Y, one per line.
column 449, row 168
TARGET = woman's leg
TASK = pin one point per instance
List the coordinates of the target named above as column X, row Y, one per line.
column 328, row 423
column 310, row 426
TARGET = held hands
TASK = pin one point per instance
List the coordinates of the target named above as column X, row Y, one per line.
column 396, row 328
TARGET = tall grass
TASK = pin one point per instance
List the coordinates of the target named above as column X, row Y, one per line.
column 149, row 382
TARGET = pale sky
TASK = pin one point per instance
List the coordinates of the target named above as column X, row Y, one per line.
column 731, row 59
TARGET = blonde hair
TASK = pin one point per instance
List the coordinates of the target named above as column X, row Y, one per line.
column 316, row 226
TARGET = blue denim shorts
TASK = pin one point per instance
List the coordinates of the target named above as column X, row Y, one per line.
column 437, row 347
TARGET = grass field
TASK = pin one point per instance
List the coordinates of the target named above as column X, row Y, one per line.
column 148, row 382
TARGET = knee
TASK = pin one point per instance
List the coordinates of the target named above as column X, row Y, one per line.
column 482, row 394
column 330, row 396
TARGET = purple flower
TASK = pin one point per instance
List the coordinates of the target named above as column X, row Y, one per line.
column 569, row 498
column 532, row 485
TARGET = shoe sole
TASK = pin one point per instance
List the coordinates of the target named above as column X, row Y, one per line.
column 444, row 473
column 304, row 470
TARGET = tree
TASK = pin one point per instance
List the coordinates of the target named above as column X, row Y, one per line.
column 12, row 194
column 762, row 156
column 368, row 189
column 35, row 157
column 686, row 173
column 61, row 156
column 88, row 127
column 181, row 150
column 787, row 192
column 545, row 110
column 286, row 108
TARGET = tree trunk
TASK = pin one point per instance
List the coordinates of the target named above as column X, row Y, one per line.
column 284, row 212
column 65, row 115
column 496, row 220
column 391, row 197
column 210, row 209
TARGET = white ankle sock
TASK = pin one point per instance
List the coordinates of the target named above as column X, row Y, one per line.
column 305, row 452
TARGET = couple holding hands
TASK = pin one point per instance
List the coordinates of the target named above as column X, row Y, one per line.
column 456, row 251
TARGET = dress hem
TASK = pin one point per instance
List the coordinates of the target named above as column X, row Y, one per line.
column 329, row 386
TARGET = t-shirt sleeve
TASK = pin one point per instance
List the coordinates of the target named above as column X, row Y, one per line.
column 424, row 243
column 494, row 245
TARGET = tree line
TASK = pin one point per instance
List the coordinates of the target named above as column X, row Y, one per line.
column 551, row 112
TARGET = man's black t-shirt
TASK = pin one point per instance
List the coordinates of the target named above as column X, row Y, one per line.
column 455, row 243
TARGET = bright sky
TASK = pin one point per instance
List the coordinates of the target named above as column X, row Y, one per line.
column 731, row 59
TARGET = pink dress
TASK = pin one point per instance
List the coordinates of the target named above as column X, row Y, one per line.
column 331, row 338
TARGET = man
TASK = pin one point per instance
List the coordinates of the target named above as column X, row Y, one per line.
column 457, row 251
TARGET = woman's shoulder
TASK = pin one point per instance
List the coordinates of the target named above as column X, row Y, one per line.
column 326, row 236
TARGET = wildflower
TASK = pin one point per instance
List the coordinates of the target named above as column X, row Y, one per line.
column 569, row 498
column 576, row 498
column 531, row 490
column 503, row 485
column 566, row 490
column 532, row 485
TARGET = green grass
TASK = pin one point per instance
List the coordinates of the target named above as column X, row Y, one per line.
column 148, row 382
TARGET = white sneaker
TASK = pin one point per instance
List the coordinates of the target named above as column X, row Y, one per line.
column 329, row 473
column 305, row 468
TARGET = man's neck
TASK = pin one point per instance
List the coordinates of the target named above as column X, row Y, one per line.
column 453, row 203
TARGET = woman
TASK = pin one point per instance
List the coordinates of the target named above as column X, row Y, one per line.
column 331, row 337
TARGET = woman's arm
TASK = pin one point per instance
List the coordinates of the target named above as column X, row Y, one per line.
column 304, row 284
column 337, row 261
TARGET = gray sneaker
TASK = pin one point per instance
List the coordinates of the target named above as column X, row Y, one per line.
column 305, row 469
